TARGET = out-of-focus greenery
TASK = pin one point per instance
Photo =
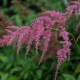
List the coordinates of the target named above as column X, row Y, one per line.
column 15, row 67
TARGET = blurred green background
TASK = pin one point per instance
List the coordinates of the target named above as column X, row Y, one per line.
column 13, row 66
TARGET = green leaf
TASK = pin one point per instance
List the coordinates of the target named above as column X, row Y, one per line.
column 13, row 78
column 68, row 77
column 3, row 58
column 77, row 69
column 78, row 77
column 26, row 75
column 39, row 73
column 18, row 21
column 16, row 69
column 4, row 76
column 8, row 66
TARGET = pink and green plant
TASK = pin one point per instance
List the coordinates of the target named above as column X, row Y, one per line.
column 41, row 30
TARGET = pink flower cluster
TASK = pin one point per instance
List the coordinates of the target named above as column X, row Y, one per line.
column 64, row 51
column 73, row 8
column 41, row 30
column 41, row 27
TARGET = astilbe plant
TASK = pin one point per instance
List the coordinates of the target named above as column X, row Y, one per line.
column 42, row 29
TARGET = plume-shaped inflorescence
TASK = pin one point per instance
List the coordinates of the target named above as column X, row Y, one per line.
column 74, row 8
column 41, row 29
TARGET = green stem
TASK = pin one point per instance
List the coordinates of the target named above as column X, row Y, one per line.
column 55, row 29
column 75, row 41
